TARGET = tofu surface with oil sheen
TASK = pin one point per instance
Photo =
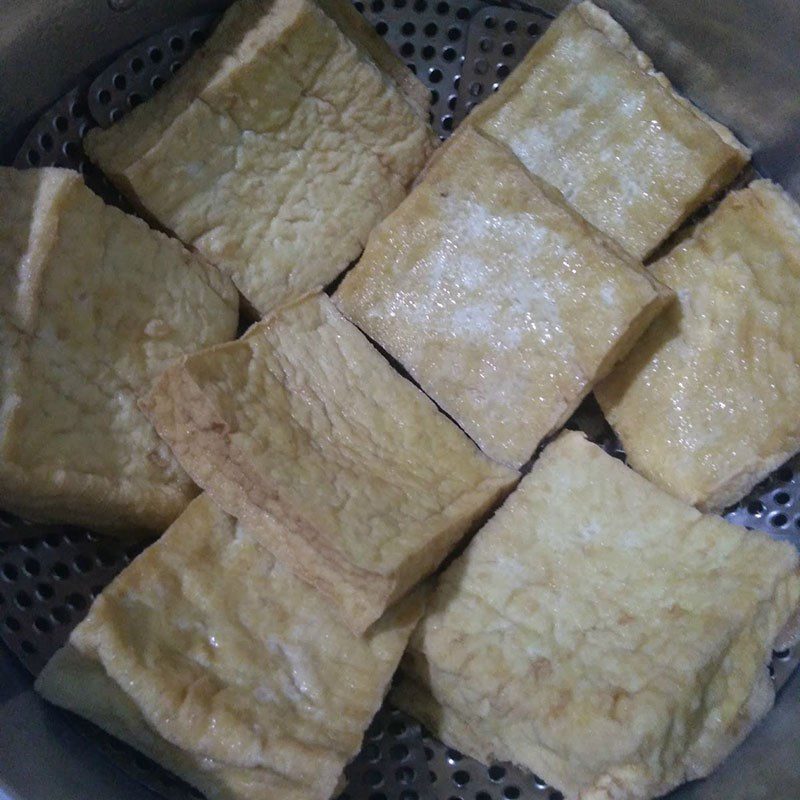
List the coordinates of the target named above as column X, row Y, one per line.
column 249, row 687
column 708, row 404
column 604, row 635
column 502, row 302
column 587, row 111
column 345, row 470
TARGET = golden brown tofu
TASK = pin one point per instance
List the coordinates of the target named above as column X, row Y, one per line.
column 249, row 688
column 345, row 470
column 601, row 633
column 588, row 113
column 502, row 302
column 277, row 147
column 708, row 403
column 93, row 305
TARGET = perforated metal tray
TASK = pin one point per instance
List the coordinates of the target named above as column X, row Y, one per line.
column 50, row 575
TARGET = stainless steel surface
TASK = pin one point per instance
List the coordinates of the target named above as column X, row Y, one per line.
column 43, row 757
column 498, row 40
column 46, row 585
column 430, row 36
column 55, row 139
column 143, row 69
column 47, row 45
column 49, row 576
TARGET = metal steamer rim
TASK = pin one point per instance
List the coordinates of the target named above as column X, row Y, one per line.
column 462, row 50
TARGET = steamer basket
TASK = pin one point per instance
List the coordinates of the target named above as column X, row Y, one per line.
column 102, row 59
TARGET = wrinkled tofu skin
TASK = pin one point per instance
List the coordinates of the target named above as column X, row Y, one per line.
column 93, row 305
column 601, row 633
column 587, row 112
column 708, row 404
column 500, row 300
column 249, row 687
column 274, row 151
column 346, row 471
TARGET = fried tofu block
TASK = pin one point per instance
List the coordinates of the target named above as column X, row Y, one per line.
column 345, row 470
column 601, row 633
column 708, row 403
column 249, row 687
column 587, row 112
column 278, row 147
column 502, row 303
column 93, row 305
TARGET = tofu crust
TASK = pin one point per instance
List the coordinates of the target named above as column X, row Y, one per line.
column 601, row 633
column 278, row 147
column 587, row 111
column 501, row 301
column 708, row 403
column 346, row 471
column 238, row 689
column 93, row 305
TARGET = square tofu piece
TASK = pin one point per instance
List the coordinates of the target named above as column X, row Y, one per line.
column 708, row 403
column 278, row 146
column 346, row 471
column 601, row 633
column 93, row 305
column 249, row 688
column 502, row 302
column 588, row 113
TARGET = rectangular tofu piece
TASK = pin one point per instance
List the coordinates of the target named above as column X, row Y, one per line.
column 249, row 688
column 345, row 470
column 601, row 633
column 587, row 112
column 93, row 305
column 502, row 302
column 708, row 403
column 277, row 147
